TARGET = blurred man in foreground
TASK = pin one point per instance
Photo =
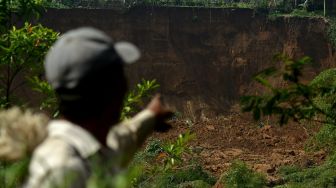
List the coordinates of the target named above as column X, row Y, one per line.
column 85, row 67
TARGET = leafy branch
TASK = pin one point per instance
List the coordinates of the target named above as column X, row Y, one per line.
column 135, row 98
column 22, row 52
column 49, row 101
column 174, row 151
column 295, row 100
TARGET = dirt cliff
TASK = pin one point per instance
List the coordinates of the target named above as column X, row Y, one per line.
column 203, row 58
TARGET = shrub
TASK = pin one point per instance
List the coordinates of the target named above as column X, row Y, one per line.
column 316, row 176
column 162, row 165
column 326, row 101
column 315, row 101
column 13, row 174
column 174, row 151
column 174, row 178
column 22, row 53
column 324, row 139
column 135, row 98
column 240, row 176
column 49, row 100
column 295, row 100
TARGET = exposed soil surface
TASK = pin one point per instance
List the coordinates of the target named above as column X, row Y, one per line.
column 203, row 58
column 264, row 146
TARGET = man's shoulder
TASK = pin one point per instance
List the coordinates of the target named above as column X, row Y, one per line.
column 54, row 152
column 53, row 160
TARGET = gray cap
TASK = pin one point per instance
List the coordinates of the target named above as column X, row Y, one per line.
column 78, row 52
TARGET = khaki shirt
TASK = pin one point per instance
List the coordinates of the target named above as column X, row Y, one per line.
column 61, row 159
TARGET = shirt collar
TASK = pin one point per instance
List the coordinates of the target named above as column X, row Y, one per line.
column 76, row 136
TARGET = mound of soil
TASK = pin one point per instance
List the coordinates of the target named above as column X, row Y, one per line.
column 264, row 146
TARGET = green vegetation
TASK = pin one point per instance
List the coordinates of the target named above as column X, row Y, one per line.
column 193, row 176
column 135, row 98
column 198, row 3
column 154, row 167
column 325, row 139
column 240, row 176
column 24, row 9
column 314, row 101
column 133, row 102
column 295, row 13
column 316, row 176
column 162, row 165
column 162, row 3
column 273, row 6
column 174, row 151
column 22, row 55
column 13, row 174
column 325, row 174
column 49, row 99
column 21, row 50
column 326, row 100
column 296, row 100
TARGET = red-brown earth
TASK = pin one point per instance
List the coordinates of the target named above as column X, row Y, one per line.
column 264, row 146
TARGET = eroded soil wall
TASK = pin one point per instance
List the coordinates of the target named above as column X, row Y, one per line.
column 203, row 58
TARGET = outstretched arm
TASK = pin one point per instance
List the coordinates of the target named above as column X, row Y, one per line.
column 125, row 138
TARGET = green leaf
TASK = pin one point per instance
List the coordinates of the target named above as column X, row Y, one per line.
column 263, row 82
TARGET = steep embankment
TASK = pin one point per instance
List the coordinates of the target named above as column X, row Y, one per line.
column 203, row 58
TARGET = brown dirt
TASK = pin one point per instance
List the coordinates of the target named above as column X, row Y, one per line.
column 236, row 136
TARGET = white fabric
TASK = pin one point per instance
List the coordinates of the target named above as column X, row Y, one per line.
column 60, row 159
column 74, row 135
column 128, row 52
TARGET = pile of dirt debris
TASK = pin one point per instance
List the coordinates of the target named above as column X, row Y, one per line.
column 264, row 146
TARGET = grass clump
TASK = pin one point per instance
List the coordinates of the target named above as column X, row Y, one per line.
column 316, row 176
column 193, row 175
column 163, row 165
column 324, row 139
column 240, row 176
